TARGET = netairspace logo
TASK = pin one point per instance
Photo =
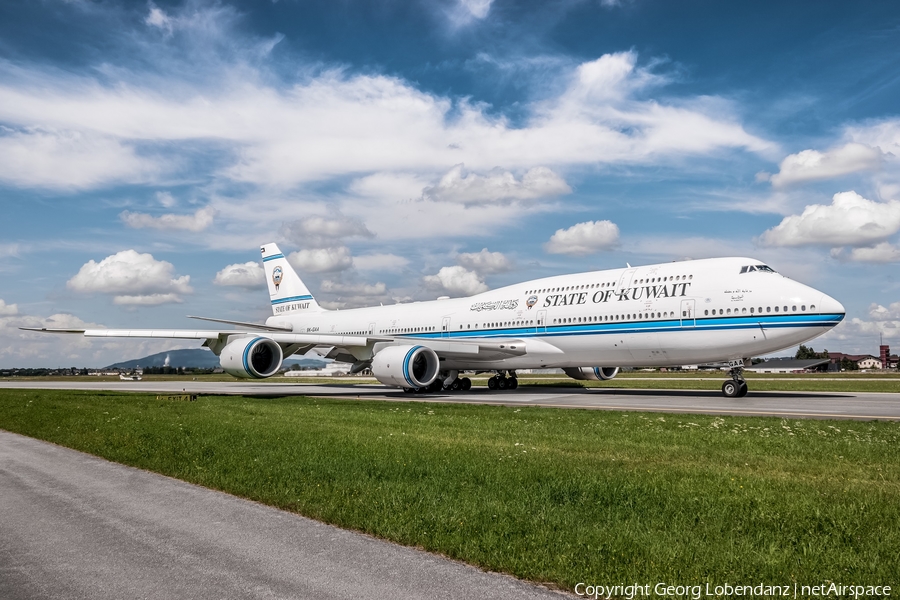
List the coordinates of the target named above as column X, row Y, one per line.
column 727, row 590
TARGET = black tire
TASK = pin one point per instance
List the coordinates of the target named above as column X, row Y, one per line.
column 466, row 384
column 408, row 390
column 436, row 386
column 731, row 389
column 455, row 385
column 743, row 390
column 513, row 383
column 492, row 383
column 502, row 383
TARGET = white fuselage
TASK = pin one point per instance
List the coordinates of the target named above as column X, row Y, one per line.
column 657, row 315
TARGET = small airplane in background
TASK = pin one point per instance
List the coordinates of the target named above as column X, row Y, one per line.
column 588, row 324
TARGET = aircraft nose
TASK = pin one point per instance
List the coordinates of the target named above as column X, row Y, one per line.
column 829, row 305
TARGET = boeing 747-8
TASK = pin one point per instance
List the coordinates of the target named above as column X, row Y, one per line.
column 588, row 324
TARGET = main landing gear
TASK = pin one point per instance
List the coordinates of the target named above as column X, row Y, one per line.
column 440, row 385
column 736, row 387
column 501, row 382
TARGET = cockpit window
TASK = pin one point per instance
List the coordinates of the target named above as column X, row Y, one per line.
column 751, row 268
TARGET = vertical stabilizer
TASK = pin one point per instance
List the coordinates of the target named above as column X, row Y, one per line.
column 287, row 292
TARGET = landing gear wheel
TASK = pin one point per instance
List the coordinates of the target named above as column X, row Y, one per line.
column 455, row 385
column 742, row 391
column 465, row 384
column 436, row 386
column 502, row 383
column 732, row 389
column 492, row 383
column 409, row 390
column 512, row 383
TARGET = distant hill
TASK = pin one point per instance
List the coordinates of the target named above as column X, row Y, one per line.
column 198, row 358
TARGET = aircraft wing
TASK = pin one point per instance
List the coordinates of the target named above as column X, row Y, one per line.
column 217, row 334
column 472, row 348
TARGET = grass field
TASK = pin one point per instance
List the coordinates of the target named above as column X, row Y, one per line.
column 888, row 381
column 548, row 495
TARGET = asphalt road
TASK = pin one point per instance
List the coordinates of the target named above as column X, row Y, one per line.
column 75, row 526
column 815, row 405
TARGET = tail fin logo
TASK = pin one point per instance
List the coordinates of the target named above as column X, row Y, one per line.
column 277, row 274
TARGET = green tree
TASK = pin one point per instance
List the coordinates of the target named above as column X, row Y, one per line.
column 849, row 365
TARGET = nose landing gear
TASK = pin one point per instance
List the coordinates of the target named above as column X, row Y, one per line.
column 737, row 386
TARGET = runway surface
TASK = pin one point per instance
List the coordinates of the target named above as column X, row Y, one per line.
column 75, row 526
column 820, row 405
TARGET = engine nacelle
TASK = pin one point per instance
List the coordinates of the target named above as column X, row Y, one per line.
column 406, row 366
column 592, row 373
column 251, row 358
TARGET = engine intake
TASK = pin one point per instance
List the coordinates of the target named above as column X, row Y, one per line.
column 592, row 373
column 406, row 366
column 251, row 358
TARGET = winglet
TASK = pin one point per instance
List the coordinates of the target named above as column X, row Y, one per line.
column 287, row 292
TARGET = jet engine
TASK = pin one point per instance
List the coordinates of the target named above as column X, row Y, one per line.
column 406, row 366
column 251, row 358
column 592, row 373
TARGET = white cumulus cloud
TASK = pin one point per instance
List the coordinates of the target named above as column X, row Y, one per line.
column 147, row 299
column 335, row 124
column 584, row 238
column 135, row 278
column 7, row 310
column 247, row 275
column 881, row 313
column 882, row 253
column 850, row 220
column 355, row 289
column 322, row 260
column 497, row 186
column 456, row 281
column 812, row 165
column 318, row 231
column 379, row 262
column 70, row 159
column 200, row 220
column 485, row 262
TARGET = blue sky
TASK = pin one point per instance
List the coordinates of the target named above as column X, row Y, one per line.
column 406, row 150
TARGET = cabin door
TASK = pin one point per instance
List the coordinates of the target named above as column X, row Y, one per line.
column 445, row 327
column 541, row 321
column 688, row 318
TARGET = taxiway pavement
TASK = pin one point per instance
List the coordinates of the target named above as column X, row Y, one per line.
column 815, row 405
column 75, row 526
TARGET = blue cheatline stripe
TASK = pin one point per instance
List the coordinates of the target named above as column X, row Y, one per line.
column 247, row 357
column 406, row 366
column 273, row 257
column 620, row 327
column 292, row 299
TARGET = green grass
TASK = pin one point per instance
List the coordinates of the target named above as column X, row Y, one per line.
column 559, row 496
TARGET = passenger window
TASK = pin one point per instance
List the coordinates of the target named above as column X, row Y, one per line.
column 803, row 307
column 812, row 307
column 776, row 309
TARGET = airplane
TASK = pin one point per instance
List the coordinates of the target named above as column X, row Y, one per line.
column 661, row 315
